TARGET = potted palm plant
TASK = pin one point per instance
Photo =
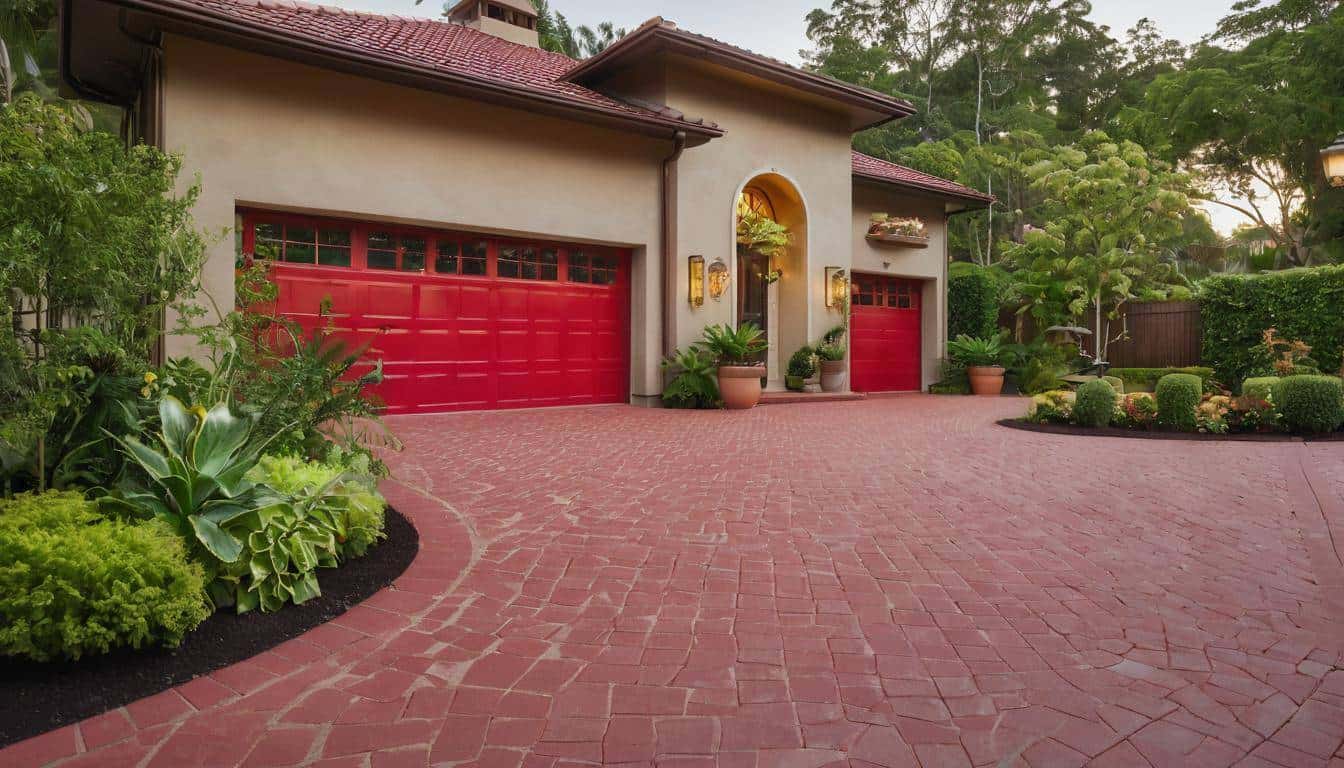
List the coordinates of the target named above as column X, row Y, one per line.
column 736, row 350
column 983, row 360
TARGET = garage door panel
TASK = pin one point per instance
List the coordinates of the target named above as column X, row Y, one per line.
column 470, row 341
column 393, row 301
column 474, row 302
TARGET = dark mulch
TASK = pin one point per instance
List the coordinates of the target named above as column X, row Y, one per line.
column 1159, row 434
column 41, row 697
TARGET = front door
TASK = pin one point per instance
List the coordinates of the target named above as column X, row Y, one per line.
column 753, row 291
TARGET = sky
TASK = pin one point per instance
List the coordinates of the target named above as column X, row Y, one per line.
column 778, row 28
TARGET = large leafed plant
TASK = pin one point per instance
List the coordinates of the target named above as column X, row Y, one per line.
column 197, row 474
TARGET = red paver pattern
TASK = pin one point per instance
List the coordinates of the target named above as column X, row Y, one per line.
column 886, row 582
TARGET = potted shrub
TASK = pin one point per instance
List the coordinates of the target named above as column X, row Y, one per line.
column 832, row 355
column 802, row 366
column 983, row 361
column 735, row 351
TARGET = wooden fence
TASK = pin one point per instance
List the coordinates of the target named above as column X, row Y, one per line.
column 1161, row 333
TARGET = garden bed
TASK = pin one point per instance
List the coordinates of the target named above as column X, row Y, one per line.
column 1161, row 434
column 40, row 697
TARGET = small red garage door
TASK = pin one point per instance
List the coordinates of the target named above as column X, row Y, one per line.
column 460, row 321
column 885, row 340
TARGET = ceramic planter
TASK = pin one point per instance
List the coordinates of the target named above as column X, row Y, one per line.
column 985, row 379
column 832, row 375
column 740, row 385
column 794, row 383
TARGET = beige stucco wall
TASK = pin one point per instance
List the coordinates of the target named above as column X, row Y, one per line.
column 267, row 132
column 927, row 264
column 793, row 144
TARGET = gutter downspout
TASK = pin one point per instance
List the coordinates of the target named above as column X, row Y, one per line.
column 667, row 243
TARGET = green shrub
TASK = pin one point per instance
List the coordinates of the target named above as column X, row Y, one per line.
column 1178, row 396
column 1310, row 403
column 952, row 380
column 1259, row 387
column 803, row 363
column 972, row 305
column 1117, row 383
column 1299, row 303
column 73, row 583
column 1094, row 404
column 1145, row 379
column 694, row 382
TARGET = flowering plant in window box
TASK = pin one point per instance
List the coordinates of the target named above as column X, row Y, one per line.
column 907, row 226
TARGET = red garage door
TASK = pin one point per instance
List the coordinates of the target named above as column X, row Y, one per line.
column 460, row 321
column 885, row 341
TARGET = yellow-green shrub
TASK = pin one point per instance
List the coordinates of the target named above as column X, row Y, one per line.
column 73, row 583
column 350, row 496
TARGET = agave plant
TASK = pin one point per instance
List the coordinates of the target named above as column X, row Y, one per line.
column 733, row 346
column 976, row 352
column 198, row 482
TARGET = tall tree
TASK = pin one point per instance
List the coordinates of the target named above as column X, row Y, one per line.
column 1109, row 207
column 1253, row 120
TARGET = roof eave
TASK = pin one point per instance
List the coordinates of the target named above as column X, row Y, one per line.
column 656, row 37
column 972, row 200
column 192, row 21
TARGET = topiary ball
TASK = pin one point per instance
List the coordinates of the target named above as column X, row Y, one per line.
column 1094, row 404
column 1178, row 396
column 1117, row 383
column 1310, row 403
column 1259, row 387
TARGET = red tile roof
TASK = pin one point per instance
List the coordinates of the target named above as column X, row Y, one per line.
column 449, row 48
column 873, row 169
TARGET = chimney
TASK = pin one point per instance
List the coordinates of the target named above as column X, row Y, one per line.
column 513, row 20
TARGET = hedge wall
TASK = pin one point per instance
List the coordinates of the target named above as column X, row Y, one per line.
column 972, row 305
column 1305, row 303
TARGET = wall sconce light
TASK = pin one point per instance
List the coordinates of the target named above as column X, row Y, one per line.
column 718, row 279
column 837, row 287
column 696, row 293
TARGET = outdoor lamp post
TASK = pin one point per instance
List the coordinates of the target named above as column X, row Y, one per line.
column 1332, row 157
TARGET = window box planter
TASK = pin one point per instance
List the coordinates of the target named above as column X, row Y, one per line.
column 900, row 241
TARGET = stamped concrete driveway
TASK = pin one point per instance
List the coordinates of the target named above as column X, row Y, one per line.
column 889, row 582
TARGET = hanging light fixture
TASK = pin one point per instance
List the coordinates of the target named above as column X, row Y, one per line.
column 1332, row 158
column 718, row 279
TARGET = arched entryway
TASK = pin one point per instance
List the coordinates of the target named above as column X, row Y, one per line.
column 771, row 282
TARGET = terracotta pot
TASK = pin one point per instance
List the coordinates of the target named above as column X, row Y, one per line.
column 985, row 379
column 740, row 385
column 832, row 375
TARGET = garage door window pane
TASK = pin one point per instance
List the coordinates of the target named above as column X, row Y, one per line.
column 473, row 257
column 333, row 247
column 412, row 254
column 445, row 257
column 268, row 241
column 382, row 251
column 550, row 264
column 510, row 259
